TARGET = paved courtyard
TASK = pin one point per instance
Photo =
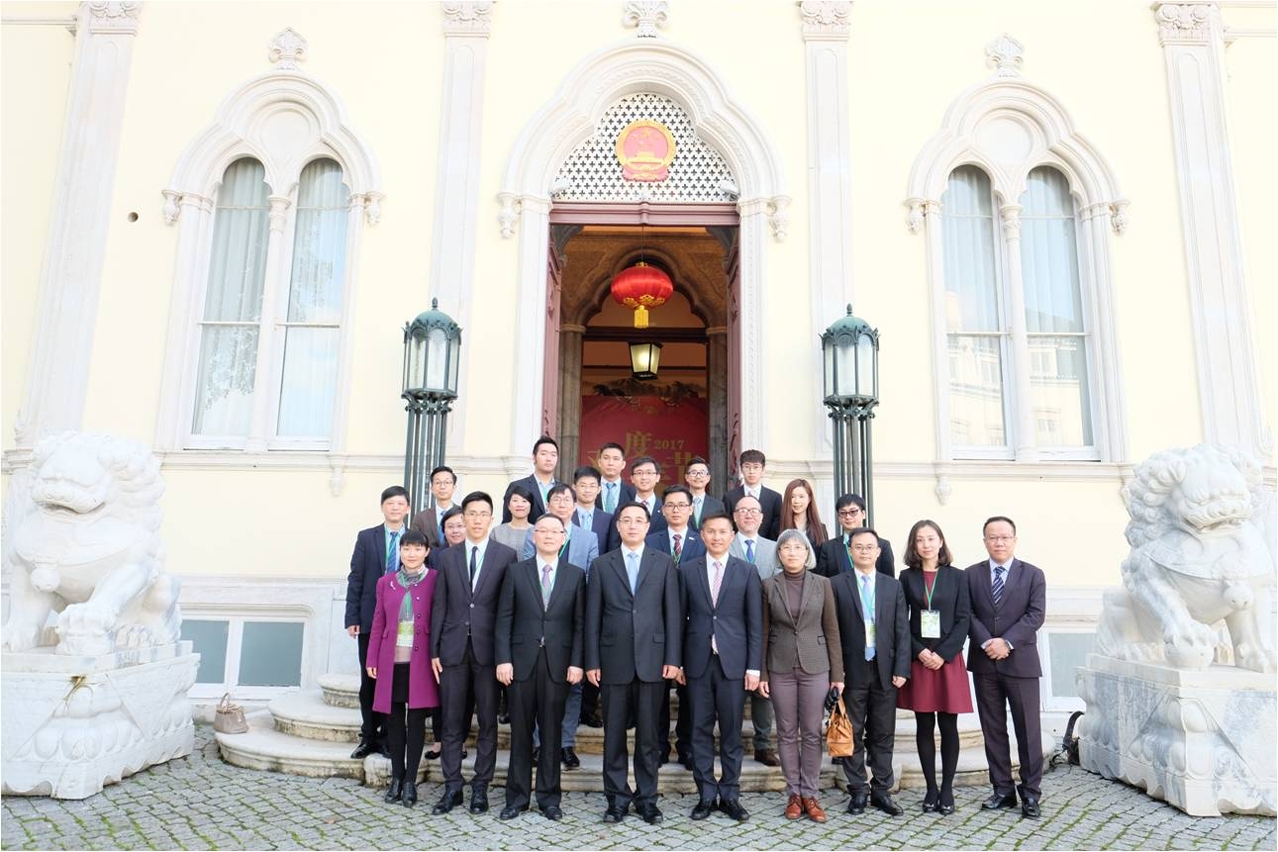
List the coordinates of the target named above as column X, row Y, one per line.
column 202, row 803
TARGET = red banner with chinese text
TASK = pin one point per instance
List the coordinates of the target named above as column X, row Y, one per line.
column 671, row 431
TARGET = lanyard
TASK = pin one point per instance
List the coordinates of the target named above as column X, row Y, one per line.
column 928, row 590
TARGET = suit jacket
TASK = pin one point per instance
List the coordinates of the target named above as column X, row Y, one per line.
column 583, row 547
column 426, row 523
column 1017, row 619
column 459, row 613
column 950, row 597
column 368, row 565
column 692, row 545
column 625, row 495
column 811, row 634
column 538, row 507
column 769, row 502
column 735, row 622
column 423, row 691
column 656, row 519
column 765, row 554
column 632, row 636
column 891, row 627
column 525, row 625
column 833, row 559
column 709, row 506
column 604, row 526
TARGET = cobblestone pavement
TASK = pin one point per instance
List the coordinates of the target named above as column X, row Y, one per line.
column 202, row 803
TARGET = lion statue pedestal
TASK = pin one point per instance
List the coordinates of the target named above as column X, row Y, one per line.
column 101, row 694
column 1180, row 693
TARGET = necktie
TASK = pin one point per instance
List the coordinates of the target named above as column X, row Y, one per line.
column 392, row 553
column 678, row 547
column 750, row 550
column 696, row 509
column 473, row 567
column 587, row 520
column 998, row 584
column 632, row 568
column 714, row 598
column 610, row 497
column 545, row 585
column 867, row 605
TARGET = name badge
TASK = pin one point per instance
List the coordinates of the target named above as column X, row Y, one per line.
column 931, row 623
column 869, row 634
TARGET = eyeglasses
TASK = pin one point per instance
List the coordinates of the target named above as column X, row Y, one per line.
column 677, row 505
column 698, row 474
column 1000, row 539
column 793, row 545
column 865, row 548
column 477, row 513
column 849, row 513
column 748, row 512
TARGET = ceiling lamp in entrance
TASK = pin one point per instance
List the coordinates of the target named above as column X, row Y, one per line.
column 641, row 287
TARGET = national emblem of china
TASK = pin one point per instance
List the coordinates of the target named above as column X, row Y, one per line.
column 645, row 149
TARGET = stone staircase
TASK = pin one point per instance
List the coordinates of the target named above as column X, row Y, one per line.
column 312, row 733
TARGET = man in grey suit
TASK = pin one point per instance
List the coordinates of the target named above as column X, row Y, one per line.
column 539, row 651
column 760, row 552
column 722, row 648
column 634, row 632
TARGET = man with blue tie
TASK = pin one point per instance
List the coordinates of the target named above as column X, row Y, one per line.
column 875, row 632
column 376, row 553
column 613, row 492
column 750, row 545
column 588, row 514
column 697, row 475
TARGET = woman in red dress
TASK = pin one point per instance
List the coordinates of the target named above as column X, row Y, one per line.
column 938, row 690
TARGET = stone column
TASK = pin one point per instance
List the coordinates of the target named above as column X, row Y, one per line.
column 57, row 382
column 717, row 390
column 1228, row 385
column 570, row 343
column 1022, row 425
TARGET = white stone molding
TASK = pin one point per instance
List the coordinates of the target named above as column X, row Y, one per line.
column 467, row 18
column 284, row 119
column 1004, row 55
column 70, row 281
column 646, row 16
column 1008, row 126
column 287, row 48
column 570, row 117
column 826, row 19
column 1228, row 380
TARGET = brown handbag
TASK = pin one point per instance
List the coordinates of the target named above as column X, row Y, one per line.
column 229, row 717
column 838, row 732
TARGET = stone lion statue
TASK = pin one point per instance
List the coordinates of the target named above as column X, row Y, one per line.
column 88, row 547
column 1200, row 531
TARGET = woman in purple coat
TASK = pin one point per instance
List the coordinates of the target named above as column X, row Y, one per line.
column 399, row 651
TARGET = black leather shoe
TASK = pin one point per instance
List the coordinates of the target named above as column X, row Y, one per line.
column 614, row 814
column 393, row 792
column 363, row 750
column 1029, row 808
column 410, row 793
column 511, row 811
column 885, row 804
column 858, row 803
column 503, row 718
column 651, row 814
column 703, row 810
column 733, row 809
column 685, row 760
column 767, row 756
column 929, row 802
column 592, row 721
column 447, row 802
column 383, row 749
column 568, row 757
column 479, row 802
column 945, row 805
column 998, row 800
column 552, row 812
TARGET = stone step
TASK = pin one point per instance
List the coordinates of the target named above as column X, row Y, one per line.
column 307, row 715
column 340, row 690
column 263, row 747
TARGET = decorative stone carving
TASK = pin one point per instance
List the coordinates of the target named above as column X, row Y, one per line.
column 1183, row 22
column 914, row 215
column 1004, row 55
column 287, row 49
column 468, row 18
column 826, row 18
column 647, row 15
column 779, row 217
column 88, row 546
column 509, row 214
column 114, row 17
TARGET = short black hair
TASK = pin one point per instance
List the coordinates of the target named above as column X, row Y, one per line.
column 475, row 497
column 559, row 488
column 443, row 468
column 696, row 460
column 850, row 500
column 454, row 512
column 587, row 472
column 414, row 537
column 634, row 504
column 613, row 445
column 643, row 460
column 860, row 531
column 395, row 491
column 520, row 490
column 715, row 516
column 997, row 518
column 753, row 457
column 676, row 489
column 545, row 439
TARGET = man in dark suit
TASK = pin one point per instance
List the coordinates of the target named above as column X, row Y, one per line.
column 833, row 557
column 875, row 633
column 613, row 492
column 1009, row 599
column 722, row 649
column 588, row 515
column 461, row 635
column 645, row 473
column 539, row 652
column 376, row 553
column 751, row 465
column 442, row 484
column 697, row 476
column 545, row 459
column 633, row 639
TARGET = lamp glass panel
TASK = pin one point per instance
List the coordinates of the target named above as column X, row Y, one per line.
column 827, row 377
column 865, row 366
column 454, row 356
column 654, row 358
column 436, row 359
column 414, row 362
column 844, row 366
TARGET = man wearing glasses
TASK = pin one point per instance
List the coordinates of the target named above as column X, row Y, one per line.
column 760, row 552
column 835, row 556
column 697, row 475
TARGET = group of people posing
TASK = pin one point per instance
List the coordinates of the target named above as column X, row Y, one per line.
column 604, row 592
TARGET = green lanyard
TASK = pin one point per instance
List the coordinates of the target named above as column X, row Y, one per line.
column 927, row 590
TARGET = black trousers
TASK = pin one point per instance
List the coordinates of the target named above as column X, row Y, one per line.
column 405, row 729
column 683, row 722
column 995, row 694
column 456, row 685
column 872, row 707
column 620, row 701
column 716, row 697
column 373, row 725
column 535, row 702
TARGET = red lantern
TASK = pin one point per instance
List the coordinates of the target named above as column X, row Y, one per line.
column 641, row 287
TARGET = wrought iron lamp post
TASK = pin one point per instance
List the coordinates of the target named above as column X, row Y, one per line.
column 432, row 349
column 850, row 350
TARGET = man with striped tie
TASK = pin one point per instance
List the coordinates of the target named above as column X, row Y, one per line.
column 750, row 545
column 1009, row 598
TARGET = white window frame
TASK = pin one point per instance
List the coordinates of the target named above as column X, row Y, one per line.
column 234, row 655
column 259, row 120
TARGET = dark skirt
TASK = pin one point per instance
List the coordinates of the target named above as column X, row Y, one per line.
column 399, row 684
column 945, row 690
